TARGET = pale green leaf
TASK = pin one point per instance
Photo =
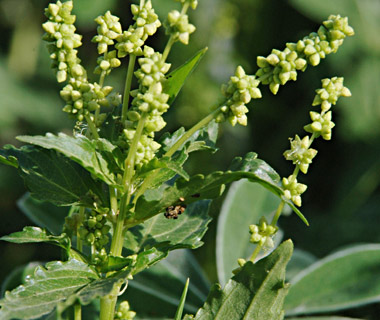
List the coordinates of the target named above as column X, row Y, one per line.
column 47, row 288
column 257, row 291
column 340, row 281
column 246, row 202
column 300, row 260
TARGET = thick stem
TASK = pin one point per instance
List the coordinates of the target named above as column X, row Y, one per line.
column 127, row 89
column 77, row 311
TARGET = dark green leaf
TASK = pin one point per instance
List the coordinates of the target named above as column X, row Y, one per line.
column 342, row 280
column 324, row 318
column 300, row 260
column 112, row 127
column 95, row 156
column 43, row 214
column 169, row 234
column 208, row 187
column 178, row 314
column 245, row 203
column 54, row 178
column 257, row 291
column 162, row 285
column 47, row 288
column 176, row 79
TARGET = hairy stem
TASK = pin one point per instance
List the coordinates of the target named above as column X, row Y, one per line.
column 127, row 89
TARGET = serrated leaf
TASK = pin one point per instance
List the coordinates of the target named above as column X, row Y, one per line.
column 257, row 291
column 162, row 285
column 35, row 235
column 54, row 178
column 245, row 204
column 169, row 234
column 340, row 281
column 208, row 187
column 95, row 156
column 47, row 288
column 43, row 214
column 176, row 79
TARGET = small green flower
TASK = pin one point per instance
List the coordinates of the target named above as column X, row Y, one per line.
column 124, row 312
column 263, row 233
column 321, row 125
column 300, row 153
column 239, row 91
column 177, row 25
column 108, row 30
column 293, row 189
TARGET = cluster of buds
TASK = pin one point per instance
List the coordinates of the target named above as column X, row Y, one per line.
column 62, row 39
column 262, row 233
column 82, row 98
column 282, row 66
column 149, row 100
column 123, row 312
column 239, row 91
column 177, row 23
column 300, row 152
column 146, row 24
column 94, row 231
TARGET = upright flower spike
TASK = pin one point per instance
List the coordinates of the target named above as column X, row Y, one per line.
column 62, row 39
column 132, row 40
column 281, row 66
column 239, row 91
column 108, row 30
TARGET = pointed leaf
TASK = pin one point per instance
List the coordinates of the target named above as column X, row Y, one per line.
column 46, row 289
column 35, row 235
column 80, row 149
column 178, row 314
column 246, row 202
column 54, row 178
column 340, row 281
column 176, row 79
column 300, row 260
column 43, row 214
column 257, row 291
column 208, row 187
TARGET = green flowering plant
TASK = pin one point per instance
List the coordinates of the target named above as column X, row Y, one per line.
column 131, row 201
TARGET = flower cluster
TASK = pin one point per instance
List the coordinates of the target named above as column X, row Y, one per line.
column 123, row 312
column 94, row 231
column 262, row 234
column 238, row 92
column 300, row 152
column 149, row 102
column 108, row 30
column 177, row 23
column 281, row 66
column 60, row 33
column 146, row 24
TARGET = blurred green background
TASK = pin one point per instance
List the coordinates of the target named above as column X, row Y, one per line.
column 342, row 202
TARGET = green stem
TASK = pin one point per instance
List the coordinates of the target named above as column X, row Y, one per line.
column 127, row 89
column 92, row 127
column 255, row 253
column 278, row 213
column 168, row 47
column 191, row 131
column 77, row 311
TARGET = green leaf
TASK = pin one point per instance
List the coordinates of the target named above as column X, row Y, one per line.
column 172, row 167
column 340, row 281
column 34, row 235
column 176, row 79
column 300, row 260
column 245, row 204
column 169, row 234
column 162, row 285
column 257, row 291
column 43, row 214
column 54, row 178
column 208, row 187
column 178, row 314
column 96, row 156
column 47, row 288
